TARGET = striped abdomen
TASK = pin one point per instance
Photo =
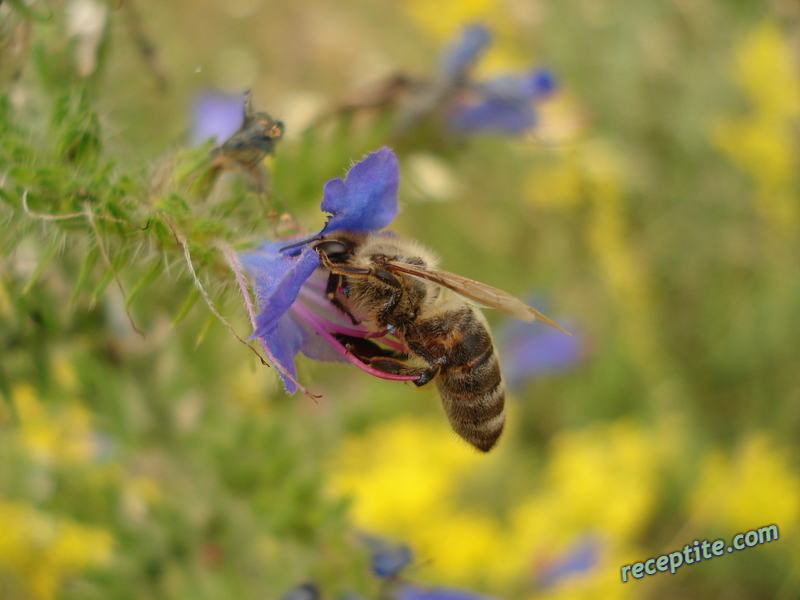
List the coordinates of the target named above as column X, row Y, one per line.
column 469, row 381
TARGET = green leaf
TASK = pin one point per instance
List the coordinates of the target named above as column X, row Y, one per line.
column 152, row 274
column 209, row 323
column 101, row 287
column 174, row 205
column 191, row 300
column 50, row 254
column 79, row 146
column 83, row 275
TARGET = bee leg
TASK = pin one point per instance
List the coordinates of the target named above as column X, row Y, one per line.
column 382, row 275
column 366, row 350
column 394, row 366
column 434, row 364
column 387, row 308
column 334, row 281
column 425, row 354
column 383, row 359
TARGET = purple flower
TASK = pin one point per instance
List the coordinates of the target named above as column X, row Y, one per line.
column 501, row 105
column 387, row 559
column 528, row 350
column 414, row 592
column 463, row 52
column 295, row 316
column 216, row 116
column 580, row 557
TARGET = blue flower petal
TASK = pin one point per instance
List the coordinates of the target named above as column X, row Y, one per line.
column 463, row 52
column 284, row 342
column 367, row 199
column 216, row 116
column 316, row 348
column 388, row 559
column 278, row 280
column 493, row 115
column 580, row 558
column 530, row 87
column 540, row 83
column 391, row 563
column 413, row 592
column 530, row 349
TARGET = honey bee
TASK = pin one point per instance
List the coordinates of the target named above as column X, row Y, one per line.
column 385, row 283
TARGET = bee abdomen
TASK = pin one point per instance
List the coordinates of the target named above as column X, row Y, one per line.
column 471, row 386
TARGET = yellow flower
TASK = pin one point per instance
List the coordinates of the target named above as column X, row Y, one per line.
column 408, row 480
column 404, row 478
column 605, row 173
column 602, row 479
column 441, row 20
column 40, row 550
column 767, row 71
column 399, row 472
column 444, row 19
column 762, row 143
column 756, row 486
column 63, row 435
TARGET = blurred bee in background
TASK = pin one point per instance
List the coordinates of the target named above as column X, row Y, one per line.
column 249, row 146
column 387, row 284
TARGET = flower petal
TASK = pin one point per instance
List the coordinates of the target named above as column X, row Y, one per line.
column 529, row 350
column 215, row 115
column 581, row 557
column 388, row 559
column 414, row 592
column 492, row 115
column 283, row 343
column 317, row 348
column 464, row 51
column 278, row 279
column 530, row 87
column 367, row 199
column 540, row 83
column 501, row 105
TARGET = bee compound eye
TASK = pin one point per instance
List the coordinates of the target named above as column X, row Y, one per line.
column 335, row 250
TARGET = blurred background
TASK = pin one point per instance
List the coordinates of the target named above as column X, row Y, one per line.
column 652, row 209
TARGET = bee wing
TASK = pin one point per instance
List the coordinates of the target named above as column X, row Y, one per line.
column 475, row 291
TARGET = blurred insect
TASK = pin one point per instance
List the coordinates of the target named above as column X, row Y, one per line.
column 247, row 147
column 387, row 284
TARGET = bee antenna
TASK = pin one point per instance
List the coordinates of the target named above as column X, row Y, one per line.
column 301, row 242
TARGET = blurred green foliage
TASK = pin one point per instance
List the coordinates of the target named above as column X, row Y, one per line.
column 145, row 453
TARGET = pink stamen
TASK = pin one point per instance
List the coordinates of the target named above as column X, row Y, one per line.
column 317, row 299
column 314, row 283
column 320, row 327
column 325, row 304
column 391, row 343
